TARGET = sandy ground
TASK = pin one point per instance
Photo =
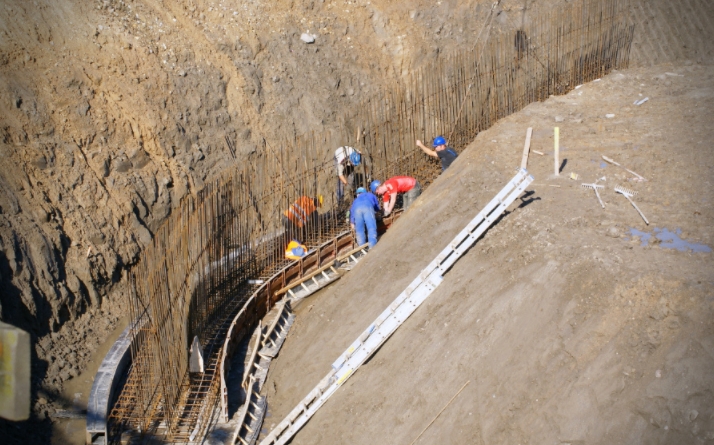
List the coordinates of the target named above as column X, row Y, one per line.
column 569, row 328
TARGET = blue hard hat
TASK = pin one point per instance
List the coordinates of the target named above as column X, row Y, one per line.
column 373, row 185
column 361, row 190
column 439, row 140
column 355, row 158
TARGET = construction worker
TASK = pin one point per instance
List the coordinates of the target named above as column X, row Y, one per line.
column 362, row 213
column 447, row 155
column 295, row 250
column 346, row 159
column 397, row 184
column 301, row 215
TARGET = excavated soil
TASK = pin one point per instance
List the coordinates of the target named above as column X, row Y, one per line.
column 111, row 111
column 569, row 328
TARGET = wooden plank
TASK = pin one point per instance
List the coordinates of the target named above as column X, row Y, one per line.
column 526, row 148
column 352, row 252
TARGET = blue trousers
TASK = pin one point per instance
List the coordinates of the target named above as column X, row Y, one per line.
column 364, row 216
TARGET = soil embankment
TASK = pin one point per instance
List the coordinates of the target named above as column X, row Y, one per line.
column 570, row 323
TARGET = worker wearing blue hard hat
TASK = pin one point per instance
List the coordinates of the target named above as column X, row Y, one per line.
column 346, row 159
column 447, row 155
column 362, row 215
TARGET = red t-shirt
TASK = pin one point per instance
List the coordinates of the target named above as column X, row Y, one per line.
column 398, row 184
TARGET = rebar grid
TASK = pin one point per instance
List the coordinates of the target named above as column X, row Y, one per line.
column 192, row 279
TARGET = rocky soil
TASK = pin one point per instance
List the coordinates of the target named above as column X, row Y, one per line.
column 572, row 323
column 111, row 111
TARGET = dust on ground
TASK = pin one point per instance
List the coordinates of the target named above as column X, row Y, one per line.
column 569, row 328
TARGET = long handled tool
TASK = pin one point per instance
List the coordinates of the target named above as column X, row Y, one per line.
column 615, row 163
column 629, row 194
column 595, row 187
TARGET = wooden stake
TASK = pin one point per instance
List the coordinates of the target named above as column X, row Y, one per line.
column 442, row 410
column 556, row 137
column 526, row 148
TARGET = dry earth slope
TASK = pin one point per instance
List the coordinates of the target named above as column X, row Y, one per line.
column 570, row 328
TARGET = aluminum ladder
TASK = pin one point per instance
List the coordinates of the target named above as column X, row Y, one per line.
column 397, row 312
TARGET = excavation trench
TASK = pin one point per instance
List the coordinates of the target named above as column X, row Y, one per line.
column 191, row 280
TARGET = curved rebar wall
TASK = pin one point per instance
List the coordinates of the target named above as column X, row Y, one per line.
column 195, row 276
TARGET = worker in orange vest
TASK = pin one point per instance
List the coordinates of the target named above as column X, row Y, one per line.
column 300, row 217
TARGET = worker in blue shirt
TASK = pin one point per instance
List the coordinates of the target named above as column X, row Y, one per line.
column 362, row 213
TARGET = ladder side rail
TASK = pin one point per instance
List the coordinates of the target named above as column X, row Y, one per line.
column 481, row 229
column 490, row 208
column 477, row 220
column 390, row 326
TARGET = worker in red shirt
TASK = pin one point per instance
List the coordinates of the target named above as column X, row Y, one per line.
column 406, row 185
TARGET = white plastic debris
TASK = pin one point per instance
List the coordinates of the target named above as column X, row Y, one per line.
column 641, row 101
column 609, row 116
column 307, row 38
